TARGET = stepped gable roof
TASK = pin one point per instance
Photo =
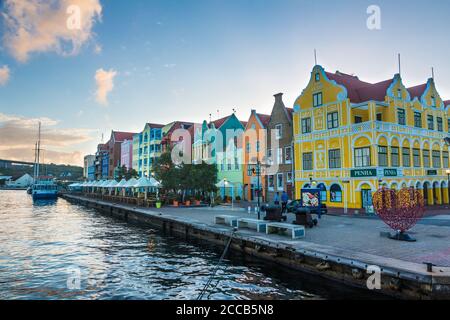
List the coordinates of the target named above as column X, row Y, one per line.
column 417, row 91
column 360, row 91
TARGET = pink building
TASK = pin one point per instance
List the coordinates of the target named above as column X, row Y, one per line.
column 126, row 154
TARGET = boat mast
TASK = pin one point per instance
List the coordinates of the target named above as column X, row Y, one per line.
column 38, row 151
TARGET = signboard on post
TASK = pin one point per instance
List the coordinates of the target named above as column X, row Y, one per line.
column 311, row 198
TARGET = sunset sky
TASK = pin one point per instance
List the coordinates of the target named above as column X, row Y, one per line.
column 138, row 61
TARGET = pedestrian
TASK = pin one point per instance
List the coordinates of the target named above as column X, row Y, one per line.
column 276, row 199
column 284, row 201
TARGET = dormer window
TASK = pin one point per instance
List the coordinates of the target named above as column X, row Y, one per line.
column 317, row 77
column 433, row 101
column 399, row 94
column 317, row 99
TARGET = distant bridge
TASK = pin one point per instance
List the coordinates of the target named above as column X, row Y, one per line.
column 11, row 163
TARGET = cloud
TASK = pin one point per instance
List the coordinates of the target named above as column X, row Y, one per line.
column 4, row 75
column 18, row 135
column 98, row 49
column 105, row 84
column 61, row 26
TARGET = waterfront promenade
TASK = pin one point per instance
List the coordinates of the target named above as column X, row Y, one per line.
column 338, row 246
column 354, row 235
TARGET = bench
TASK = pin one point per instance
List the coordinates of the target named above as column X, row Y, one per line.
column 258, row 225
column 227, row 220
column 294, row 231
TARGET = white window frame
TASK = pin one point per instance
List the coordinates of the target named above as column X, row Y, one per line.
column 279, row 130
column 286, row 161
column 280, row 188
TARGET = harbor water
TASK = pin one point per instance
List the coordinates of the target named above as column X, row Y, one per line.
column 58, row 250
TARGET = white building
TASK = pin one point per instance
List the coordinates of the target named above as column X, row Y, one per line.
column 23, row 182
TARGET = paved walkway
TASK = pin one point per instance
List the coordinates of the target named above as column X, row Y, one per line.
column 355, row 235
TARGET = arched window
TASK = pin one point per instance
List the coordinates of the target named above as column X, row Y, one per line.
column 323, row 192
column 335, row 193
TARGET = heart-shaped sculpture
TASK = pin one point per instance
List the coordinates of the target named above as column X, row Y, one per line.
column 400, row 210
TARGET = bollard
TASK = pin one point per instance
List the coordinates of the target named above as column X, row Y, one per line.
column 249, row 209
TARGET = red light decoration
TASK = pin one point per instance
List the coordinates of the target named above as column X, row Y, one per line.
column 400, row 210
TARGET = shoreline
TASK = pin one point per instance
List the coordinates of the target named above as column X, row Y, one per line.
column 399, row 279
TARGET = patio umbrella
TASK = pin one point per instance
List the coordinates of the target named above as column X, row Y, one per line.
column 130, row 183
column 121, row 184
column 145, row 183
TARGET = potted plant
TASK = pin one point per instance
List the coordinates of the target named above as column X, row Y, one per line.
column 187, row 202
column 158, row 203
column 238, row 199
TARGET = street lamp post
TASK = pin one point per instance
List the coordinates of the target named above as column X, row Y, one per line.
column 448, row 184
column 257, row 171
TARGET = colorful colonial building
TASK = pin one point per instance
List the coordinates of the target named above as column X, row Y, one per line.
column 114, row 151
column 352, row 137
column 220, row 143
column 254, row 152
column 167, row 141
column 280, row 150
column 147, row 148
column 126, row 153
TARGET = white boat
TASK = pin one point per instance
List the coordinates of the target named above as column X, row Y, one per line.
column 44, row 187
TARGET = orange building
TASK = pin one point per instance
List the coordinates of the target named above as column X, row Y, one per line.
column 254, row 150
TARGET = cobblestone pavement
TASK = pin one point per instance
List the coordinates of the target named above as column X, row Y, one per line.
column 357, row 235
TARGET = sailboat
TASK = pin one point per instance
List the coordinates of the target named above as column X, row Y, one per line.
column 44, row 187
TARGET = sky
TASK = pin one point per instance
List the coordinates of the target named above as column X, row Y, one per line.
column 86, row 67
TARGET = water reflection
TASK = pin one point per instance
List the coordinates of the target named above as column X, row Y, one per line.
column 56, row 250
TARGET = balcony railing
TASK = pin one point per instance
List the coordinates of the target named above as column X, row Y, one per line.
column 372, row 126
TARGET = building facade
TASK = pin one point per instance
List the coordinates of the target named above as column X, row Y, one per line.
column 126, row 154
column 353, row 137
column 147, row 147
column 180, row 129
column 280, row 151
column 101, row 162
column 89, row 162
column 254, row 152
column 220, row 142
column 114, row 151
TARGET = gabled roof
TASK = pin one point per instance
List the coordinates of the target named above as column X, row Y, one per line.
column 360, row 91
column 121, row 136
column 417, row 91
column 447, row 103
column 244, row 123
column 155, row 125
column 290, row 112
column 264, row 118
column 218, row 123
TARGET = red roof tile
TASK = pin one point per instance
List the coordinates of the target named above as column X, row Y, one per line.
column 417, row 91
column 218, row 123
column 360, row 91
column 264, row 118
column 375, row 91
column 121, row 136
column 290, row 112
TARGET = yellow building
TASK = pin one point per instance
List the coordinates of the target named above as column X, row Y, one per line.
column 352, row 137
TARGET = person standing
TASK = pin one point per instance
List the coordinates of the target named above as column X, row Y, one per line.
column 284, row 201
column 276, row 199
